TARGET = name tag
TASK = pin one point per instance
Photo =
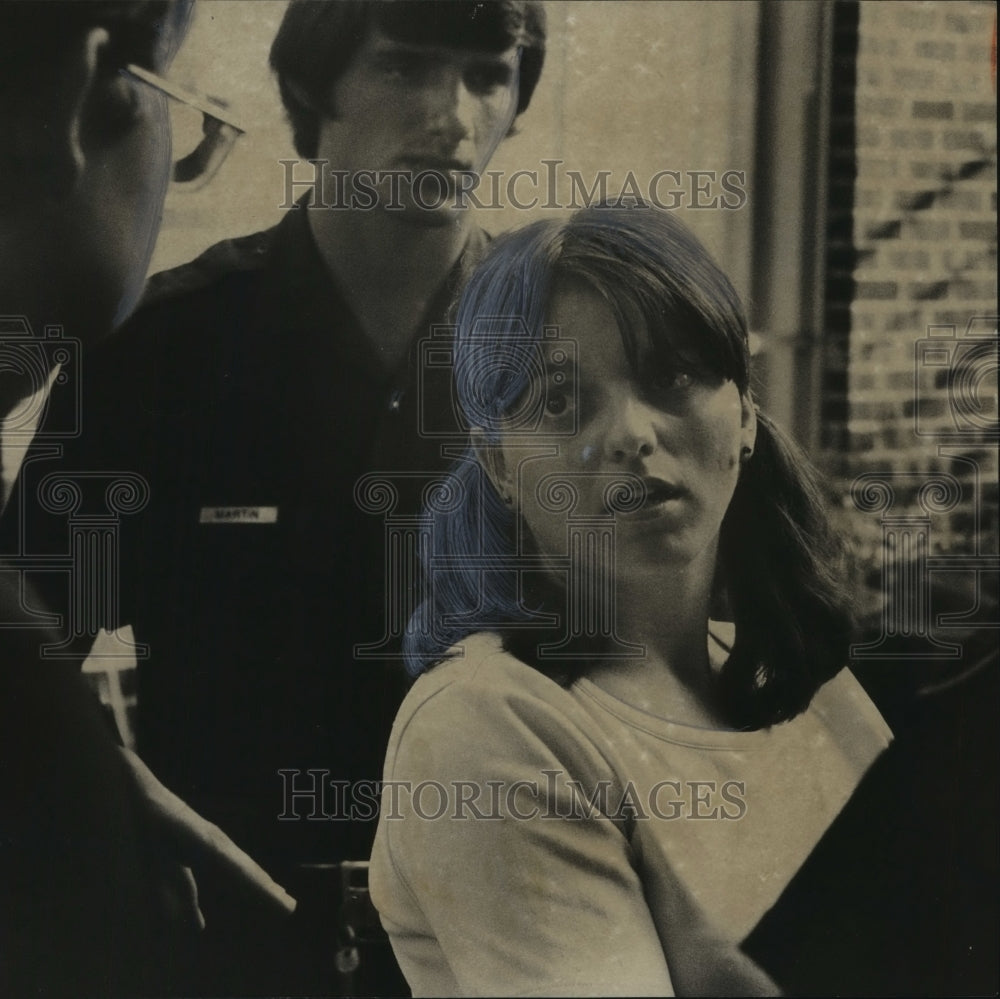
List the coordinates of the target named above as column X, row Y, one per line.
column 238, row 515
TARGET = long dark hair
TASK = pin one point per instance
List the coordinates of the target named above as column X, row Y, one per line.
column 779, row 561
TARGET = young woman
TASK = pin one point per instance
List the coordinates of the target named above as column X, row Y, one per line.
column 590, row 789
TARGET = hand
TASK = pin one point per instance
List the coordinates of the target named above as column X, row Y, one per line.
column 177, row 891
column 702, row 962
column 197, row 843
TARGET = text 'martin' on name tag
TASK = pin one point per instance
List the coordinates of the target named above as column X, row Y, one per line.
column 238, row 515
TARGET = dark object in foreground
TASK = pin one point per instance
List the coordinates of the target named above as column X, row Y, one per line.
column 900, row 896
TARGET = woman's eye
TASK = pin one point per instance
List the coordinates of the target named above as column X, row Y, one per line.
column 672, row 381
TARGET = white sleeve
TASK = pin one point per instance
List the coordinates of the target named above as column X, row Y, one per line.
column 524, row 892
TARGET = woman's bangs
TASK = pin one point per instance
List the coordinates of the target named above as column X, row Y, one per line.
column 661, row 332
column 675, row 307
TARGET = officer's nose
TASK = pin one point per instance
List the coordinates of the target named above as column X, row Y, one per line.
column 452, row 109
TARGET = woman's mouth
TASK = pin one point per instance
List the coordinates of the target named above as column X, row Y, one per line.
column 647, row 499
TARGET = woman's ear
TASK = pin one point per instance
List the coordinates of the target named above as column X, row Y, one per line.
column 494, row 462
column 748, row 423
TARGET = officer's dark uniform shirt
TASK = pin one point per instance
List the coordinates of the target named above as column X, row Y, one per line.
column 247, row 396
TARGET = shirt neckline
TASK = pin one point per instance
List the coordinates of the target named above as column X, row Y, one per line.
column 675, row 732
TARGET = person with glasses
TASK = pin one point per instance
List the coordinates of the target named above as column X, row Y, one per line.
column 94, row 899
column 219, row 130
column 263, row 381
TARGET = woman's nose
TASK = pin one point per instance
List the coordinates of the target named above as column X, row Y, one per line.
column 632, row 433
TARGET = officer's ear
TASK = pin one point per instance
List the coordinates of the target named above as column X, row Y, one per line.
column 48, row 132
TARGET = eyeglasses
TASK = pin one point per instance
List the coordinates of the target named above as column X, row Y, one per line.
column 202, row 131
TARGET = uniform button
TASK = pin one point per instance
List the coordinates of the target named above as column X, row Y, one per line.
column 396, row 400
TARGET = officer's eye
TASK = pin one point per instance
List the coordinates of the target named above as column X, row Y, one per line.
column 405, row 67
column 487, row 77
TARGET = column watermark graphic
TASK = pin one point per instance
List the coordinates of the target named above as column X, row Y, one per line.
column 408, row 541
column 89, row 506
column 93, row 554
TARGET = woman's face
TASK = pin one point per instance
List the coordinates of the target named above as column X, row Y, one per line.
column 679, row 435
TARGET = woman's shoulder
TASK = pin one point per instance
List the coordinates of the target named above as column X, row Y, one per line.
column 481, row 661
column 483, row 702
column 478, row 675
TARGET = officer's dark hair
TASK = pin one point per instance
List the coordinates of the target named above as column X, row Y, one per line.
column 37, row 38
column 317, row 41
column 35, row 35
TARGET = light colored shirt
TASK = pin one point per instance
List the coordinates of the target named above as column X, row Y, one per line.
column 532, row 837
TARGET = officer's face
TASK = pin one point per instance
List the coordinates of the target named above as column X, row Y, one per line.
column 418, row 109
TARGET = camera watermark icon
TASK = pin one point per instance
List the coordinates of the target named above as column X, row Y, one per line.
column 955, row 406
column 28, row 364
column 460, row 391
column 959, row 403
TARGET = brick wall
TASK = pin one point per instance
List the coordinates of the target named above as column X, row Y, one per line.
column 910, row 387
column 841, row 254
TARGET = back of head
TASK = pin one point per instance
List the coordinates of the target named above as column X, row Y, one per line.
column 37, row 39
column 35, row 35
column 317, row 41
column 83, row 163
